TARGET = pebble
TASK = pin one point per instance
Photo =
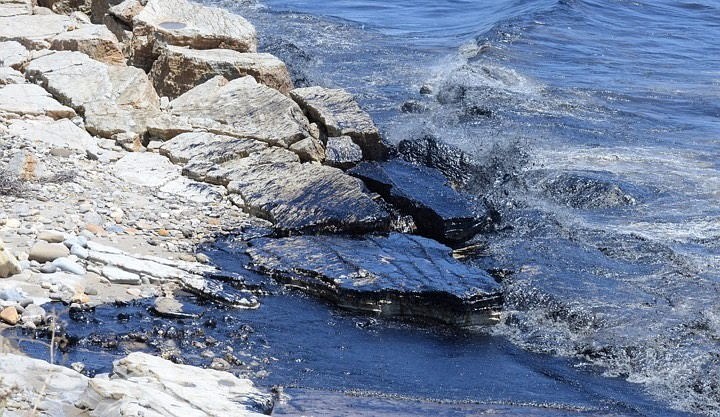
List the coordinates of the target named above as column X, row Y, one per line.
column 47, row 252
column 51, row 236
column 10, row 316
column 68, row 265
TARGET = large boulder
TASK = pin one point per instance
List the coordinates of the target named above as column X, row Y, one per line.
column 27, row 100
column 113, row 99
column 438, row 210
column 270, row 182
column 402, row 276
column 337, row 112
column 35, row 31
column 181, row 23
column 96, row 41
column 178, row 69
column 239, row 108
column 308, row 198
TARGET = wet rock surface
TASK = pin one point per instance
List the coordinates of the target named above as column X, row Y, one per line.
column 308, row 197
column 399, row 275
column 585, row 190
column 438, row 210
column 337, row 112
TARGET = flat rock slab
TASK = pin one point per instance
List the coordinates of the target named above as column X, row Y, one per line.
column 208, row 147
column 191, row 190
column 53, row 134
column 35, row 31
column 399, row 275
column 23, row 100
column 223, row 173
column 239, row 108
column 336, row 111
column 308, row 197
column 438, row 210
column 181, row 23
column 13, row 54
column 146, row 169
column 10, row 8
column 11, row 76
column 178, row 70
column 96, row 41
column 113, row 99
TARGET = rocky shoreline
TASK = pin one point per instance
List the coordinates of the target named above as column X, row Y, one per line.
column 133, row 131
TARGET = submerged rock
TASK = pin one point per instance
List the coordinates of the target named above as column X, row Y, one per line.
column 584, row 190
column 401, row 276
column 178, row 70
column 181, row 23
column 438, row 210
column 455, row 165
column 337, row 112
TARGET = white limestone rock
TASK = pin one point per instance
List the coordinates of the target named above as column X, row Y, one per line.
column 28, row 100
column 178, row 69
column 53, row 134
column 34, row 31
column 13, row 54
column 113, row 99
column 239, row 108
column 145, row 169
column 96, row 41
column 181, row 23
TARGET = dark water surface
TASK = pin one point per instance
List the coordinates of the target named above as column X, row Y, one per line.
column 598, row 123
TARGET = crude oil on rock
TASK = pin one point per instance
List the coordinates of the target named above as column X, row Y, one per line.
column 402, row 276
